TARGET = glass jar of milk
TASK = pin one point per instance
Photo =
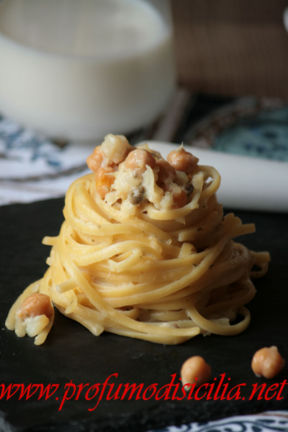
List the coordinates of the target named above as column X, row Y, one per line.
column 80, row 69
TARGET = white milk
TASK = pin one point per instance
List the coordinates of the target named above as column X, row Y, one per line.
column 79, row 69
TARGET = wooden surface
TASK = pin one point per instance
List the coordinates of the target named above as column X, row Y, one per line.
column 234, row 47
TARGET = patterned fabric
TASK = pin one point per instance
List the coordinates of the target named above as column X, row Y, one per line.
column 258, row 423
column 34, row 168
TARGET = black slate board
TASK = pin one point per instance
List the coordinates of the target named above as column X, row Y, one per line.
column 72, row 353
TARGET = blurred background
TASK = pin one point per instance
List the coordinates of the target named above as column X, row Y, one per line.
column 235, row 47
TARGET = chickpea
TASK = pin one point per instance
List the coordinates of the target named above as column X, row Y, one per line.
column 138, row 159
column 115, row 148
column 180, row 198
column 195, row 369
column 182, row 160
column 104, row 180
column 94, row 161
column 267, row 362
column 166, row 172
column 34, row 305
